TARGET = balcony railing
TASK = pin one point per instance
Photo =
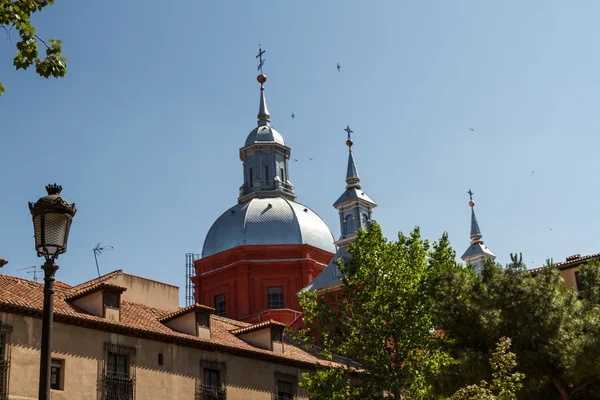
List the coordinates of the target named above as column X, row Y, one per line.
column 205, row 392
column 4, row 366
column 118, row 387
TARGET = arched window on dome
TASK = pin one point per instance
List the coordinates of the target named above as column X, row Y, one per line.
column 267, row 175
column 251, row 177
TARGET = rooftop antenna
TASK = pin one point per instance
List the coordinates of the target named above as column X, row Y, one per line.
column 97, row 251
column 34, row 272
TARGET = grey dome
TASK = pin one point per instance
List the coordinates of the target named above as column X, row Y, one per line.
column 264, row 133
column 267, row 221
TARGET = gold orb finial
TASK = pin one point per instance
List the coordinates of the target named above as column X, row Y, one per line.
column 472, row 203
column 349, row 142
column 262, row 78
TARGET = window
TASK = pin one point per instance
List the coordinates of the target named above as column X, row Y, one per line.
column 281, row 174
column 251, row 177
column 211, row 384
column 5, row 334
column 211, row 378
column 274, row 297
column 202, row 319
column 220, row 305
column 285, row 390
column 285, row 386
column 266, row 173
column 364, row 220
column 160, row 359
column 111, row 299
column 56, row 374
column 118, row 374
column 578, row 282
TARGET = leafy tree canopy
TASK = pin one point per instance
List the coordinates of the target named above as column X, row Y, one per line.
column 16, row 14
column 555, row 332
column 381, row 317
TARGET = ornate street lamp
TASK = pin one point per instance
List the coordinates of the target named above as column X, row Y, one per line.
column 52, row 216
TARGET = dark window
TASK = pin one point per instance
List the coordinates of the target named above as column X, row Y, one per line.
column 119, row 372
column 285, row 390
column 251, row 177
column 220, row 305
column 212, row 381
column 211, row 378
column 117, row 365
column 202, row 319
column 578, row 282
column 276, row 334
column 274, row 297
column 5, row 334
column 281, row 174
column 160, row 359
column 111, row 299
column 56, row 374
column 266, row 173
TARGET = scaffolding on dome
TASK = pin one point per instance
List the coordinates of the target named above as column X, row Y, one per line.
column 190, row 272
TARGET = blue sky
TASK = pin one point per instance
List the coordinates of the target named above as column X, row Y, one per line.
column 144, row 130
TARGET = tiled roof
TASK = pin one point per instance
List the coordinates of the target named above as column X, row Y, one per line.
column 22, row 296
column 255, row 327
column 181, row 311
column 98, row 280
column 77, row 294
column 568, row 263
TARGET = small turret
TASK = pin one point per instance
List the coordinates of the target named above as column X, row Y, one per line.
column 477, row 251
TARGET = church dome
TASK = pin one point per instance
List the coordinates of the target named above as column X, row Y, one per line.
column 264, row 221
column 264, row 133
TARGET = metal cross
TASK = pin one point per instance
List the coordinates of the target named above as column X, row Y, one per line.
column 470, row 194
column 260, row 59
column 348, row 131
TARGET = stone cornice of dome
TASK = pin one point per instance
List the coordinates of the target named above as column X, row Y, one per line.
column 283, row 193
column 262, row 254
column 262, row 145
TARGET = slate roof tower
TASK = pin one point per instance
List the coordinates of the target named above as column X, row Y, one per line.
column 477, row 251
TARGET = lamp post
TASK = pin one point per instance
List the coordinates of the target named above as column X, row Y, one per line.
column 52, row 216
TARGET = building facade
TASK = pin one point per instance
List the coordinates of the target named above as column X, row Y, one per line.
column 125, row 337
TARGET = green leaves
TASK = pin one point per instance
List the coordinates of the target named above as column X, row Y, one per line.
column 17, row 14
column 381, row 317
column 555, row 335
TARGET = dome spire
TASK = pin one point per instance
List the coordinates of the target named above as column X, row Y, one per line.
column 477, row 251
column 263, row 112
column 352, row 178
column 475, row 231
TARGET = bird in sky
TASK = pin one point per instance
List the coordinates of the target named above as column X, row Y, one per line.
column 339, row 67
column 472, row 130
column 310, row 159
column 532, row 172
column 295, row 159
column 293, row 116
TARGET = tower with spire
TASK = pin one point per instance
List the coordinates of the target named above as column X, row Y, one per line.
column 355, row 208
column 477, row 251
column 265, row 158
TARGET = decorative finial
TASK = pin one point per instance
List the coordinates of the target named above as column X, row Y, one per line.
column 53, row 189
column 349, row 141
column 471, row 202
column 261, row 78
column 261, row 61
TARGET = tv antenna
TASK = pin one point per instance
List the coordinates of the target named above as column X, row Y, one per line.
column 34, row 272
column 97, row 251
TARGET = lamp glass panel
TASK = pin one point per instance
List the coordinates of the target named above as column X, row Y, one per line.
column 55, row 230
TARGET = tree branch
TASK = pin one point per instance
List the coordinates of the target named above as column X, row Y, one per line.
column 42, row 40
column 585, row 383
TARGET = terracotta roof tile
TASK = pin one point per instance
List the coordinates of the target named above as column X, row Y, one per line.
column 91, row 289
column 23, row 296
column 569, row 262
column 255, row 327
column 98, row 280
column 181, row 311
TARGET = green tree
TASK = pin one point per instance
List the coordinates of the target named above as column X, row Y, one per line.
column 555, row 333
column 381, row 318
column 17, row 14
column 505, row 382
